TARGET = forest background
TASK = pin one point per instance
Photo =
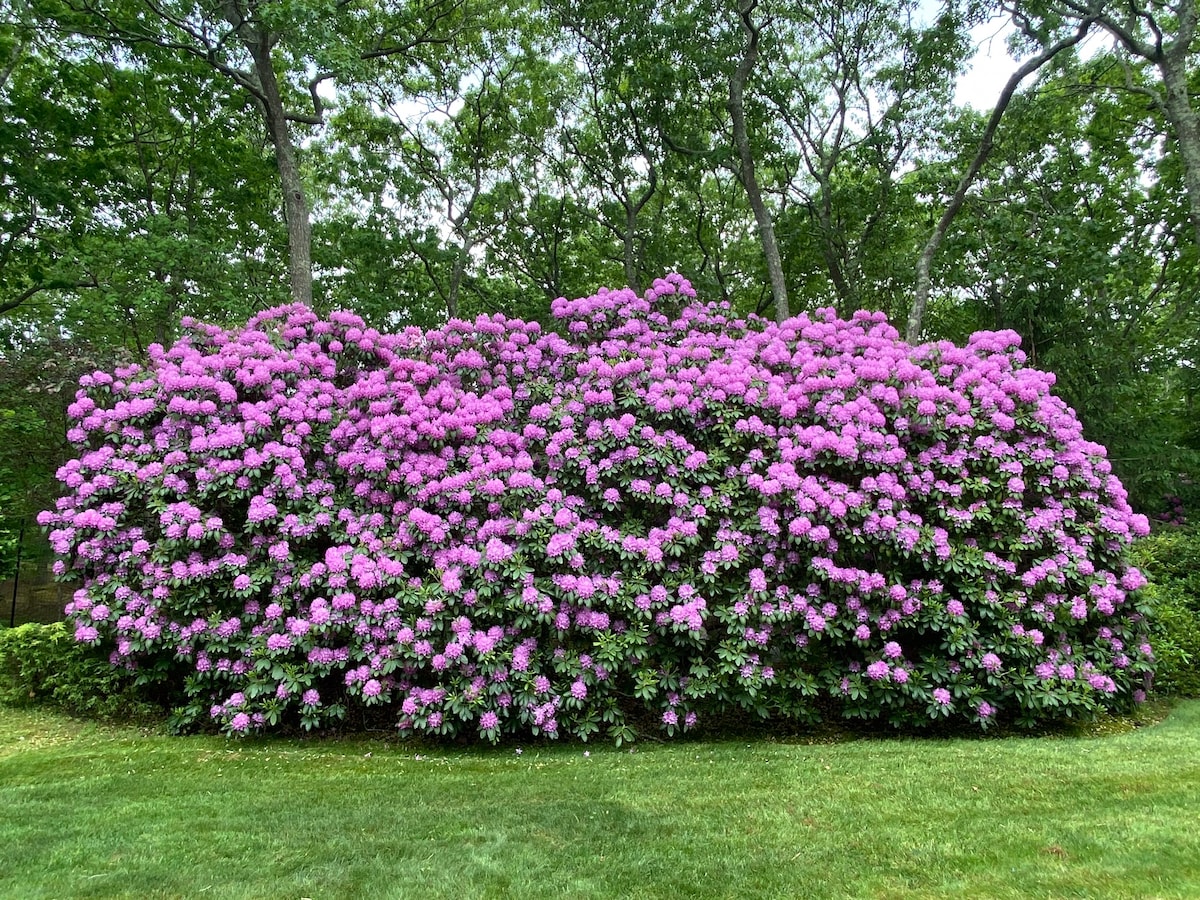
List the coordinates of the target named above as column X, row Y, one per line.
column 423, row 160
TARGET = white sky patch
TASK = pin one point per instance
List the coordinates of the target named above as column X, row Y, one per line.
column 981, row 84
column 990, row 68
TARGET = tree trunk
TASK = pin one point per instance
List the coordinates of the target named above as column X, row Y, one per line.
column 633, row 208
column 1171, row 60
column 1178, row 107
column 630, row 260
column 741, row 141
column 14, row 58
column 847, row 293
column 295, row 202
column 456, row 278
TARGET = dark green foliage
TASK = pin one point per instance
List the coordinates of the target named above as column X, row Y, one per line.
column 45, row 665
column 1171, row 560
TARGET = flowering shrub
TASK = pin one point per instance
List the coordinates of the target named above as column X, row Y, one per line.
column 492, row 529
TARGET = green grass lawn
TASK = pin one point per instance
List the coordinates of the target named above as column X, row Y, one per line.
column 87, row 810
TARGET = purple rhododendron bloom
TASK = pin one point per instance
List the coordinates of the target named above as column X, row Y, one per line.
column 483, row 513
column 878, row 670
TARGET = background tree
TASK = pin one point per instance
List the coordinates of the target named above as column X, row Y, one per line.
column 132, row 199
column 1160, row 34
column 983, row 151
column 455, row 159
column 280, row 55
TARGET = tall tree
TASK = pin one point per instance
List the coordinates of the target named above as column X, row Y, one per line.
column 1163, row 34
column 280, row 54
column 447, row 164
column 986, row 142
column 746, row 166
column 131, row 197
column 860, row 91
column 635, row 87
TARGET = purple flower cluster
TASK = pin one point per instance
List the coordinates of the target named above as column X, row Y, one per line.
column 657, row 507
column 1176, row 514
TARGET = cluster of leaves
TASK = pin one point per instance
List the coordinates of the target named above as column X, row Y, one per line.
column 1170, row 558
column 657, row 510
column 44, row 664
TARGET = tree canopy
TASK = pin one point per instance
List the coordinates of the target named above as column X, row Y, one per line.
column 433, row 159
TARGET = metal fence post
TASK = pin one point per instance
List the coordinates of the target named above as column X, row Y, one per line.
column 12, row 614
